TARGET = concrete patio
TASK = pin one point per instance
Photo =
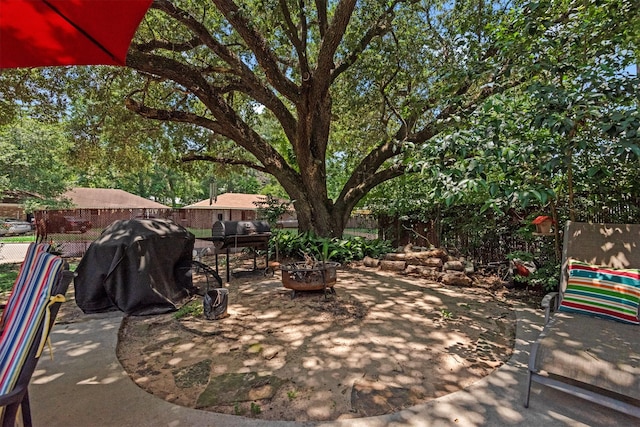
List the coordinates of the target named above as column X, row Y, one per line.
column 85, row 385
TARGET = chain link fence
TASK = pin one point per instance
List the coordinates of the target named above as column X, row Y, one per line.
column 72, row 231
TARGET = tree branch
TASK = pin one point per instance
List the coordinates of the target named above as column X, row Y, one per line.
column 368, row 168
column 351, row 195
column 380, row 27
column 254, row 86
column 304, row 28
column 176, row 116
column 167, row 45
column 190, row 78
column 323, row 22
column 488, row 89
column 223, row 160
column 330, row 43
column 201, row 32
column 292, row 33
column 258, row 45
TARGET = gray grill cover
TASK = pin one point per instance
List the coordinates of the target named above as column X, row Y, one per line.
column 140, row 267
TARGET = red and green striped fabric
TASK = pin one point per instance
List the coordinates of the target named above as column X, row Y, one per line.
column 27, row 312
column 602, row 291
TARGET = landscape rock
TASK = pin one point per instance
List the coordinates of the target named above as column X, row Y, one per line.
column 393, row 265
column 437, row 253
column 456, row 279
column 371, row 262
column 413, row 269
column 432, row 263
column 453, row 265
column 424, row 258
column 395, row 256
column 430, row 274
column 230, row 388
column 469, row 268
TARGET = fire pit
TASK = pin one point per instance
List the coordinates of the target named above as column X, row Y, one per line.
column 303, row 276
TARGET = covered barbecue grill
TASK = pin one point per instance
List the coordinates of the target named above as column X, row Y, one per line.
column 138, row 266
column 240, row 234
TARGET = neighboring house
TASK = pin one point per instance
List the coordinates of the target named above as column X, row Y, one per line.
column 12, row 204
column 108, row 198
column 225, row 207
column 102, row 206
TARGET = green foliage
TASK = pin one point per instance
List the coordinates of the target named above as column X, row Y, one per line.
column 237, row 410
column 33, row 159
column 521, row 255
column 327, row 99
column 271, row 209
column 446, row 314
column 291, row 244
column 8, row 275
column 236, row 180
column 20, row 239
column 192, row 308
column 546, row 277
column 255, row 409
column 498, row 107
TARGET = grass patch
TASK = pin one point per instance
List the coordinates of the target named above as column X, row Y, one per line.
column 27, row 238
column 200, row 232
column 192, row 308
column 8, row 275
column 255, row 409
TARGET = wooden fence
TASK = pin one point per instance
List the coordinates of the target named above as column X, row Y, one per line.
column 462, row 229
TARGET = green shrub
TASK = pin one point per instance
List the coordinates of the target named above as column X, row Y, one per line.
column 293, row 245
column 546, row 277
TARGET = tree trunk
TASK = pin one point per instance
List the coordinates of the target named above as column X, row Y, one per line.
column 323, row 219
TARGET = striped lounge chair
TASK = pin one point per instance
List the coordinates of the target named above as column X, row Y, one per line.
column 29, row 314
column 589, row 346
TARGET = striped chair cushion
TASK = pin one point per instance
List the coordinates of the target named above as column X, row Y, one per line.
column 23, row 320
column 23, row 274
column 602, row 291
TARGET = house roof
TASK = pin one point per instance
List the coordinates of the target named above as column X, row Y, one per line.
column 17, row 196
column 100, row 198
column 238, row 201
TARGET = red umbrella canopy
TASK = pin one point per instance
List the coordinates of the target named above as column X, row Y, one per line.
column 37, row 33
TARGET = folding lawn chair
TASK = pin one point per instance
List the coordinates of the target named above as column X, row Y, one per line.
column 25, row 267
column 26, row 321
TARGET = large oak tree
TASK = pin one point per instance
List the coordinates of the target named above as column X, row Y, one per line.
column 334, row 98
column 358, row 83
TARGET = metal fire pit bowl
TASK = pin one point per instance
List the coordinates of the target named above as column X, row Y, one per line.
column 299, row 276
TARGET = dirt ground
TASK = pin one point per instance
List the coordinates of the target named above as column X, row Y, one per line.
column 383, row 342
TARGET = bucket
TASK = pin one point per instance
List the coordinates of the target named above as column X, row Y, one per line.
column 215, row 303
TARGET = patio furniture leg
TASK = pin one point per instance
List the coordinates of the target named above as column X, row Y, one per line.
column 26, row 411
column 528, row 392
